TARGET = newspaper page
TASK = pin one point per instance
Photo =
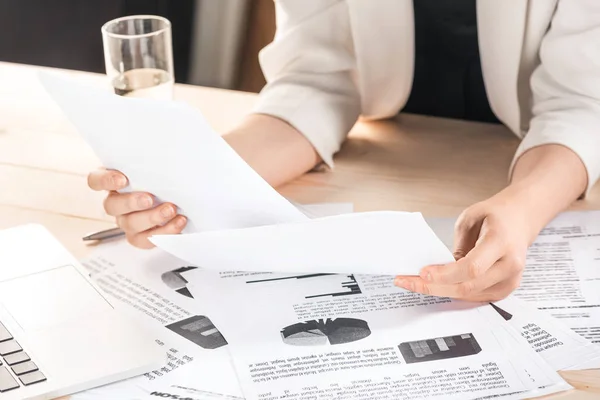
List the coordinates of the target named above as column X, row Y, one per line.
column 541, row 374
column 184, row 384
column 151, row 286
column 558, row 345
column 323, row 336
column 562, row 273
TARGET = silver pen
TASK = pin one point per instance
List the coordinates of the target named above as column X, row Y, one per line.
column 104, row 235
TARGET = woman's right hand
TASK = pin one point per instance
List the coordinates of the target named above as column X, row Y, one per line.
column 136, row 213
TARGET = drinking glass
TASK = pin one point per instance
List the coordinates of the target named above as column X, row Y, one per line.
column 139, row 56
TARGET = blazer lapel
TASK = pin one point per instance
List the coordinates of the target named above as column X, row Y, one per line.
column 510, row 35
column 384, row 45
column 501, row 28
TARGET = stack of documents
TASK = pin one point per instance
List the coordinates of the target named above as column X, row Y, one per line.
column 262, row 299
column 322, row 335
column 327, row 333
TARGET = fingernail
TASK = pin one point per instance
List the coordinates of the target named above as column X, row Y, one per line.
column 403, row 283
column 119, row 181
column 181, row 221
column 167, row 211
column 145, row 201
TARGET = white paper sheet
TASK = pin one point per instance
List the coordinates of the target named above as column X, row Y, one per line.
column 199, row 379
column 168, row 149
column 558, row 345
column 185, row 384
column 356, row 337
column 151, row 286
column 562, row 274
column 385, row 242
column 320, row 210
column 541, row 374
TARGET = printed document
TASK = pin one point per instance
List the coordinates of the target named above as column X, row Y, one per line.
column 186, row 384
column 380, row 242
column 562, row 274
column 152, row 287
column 558, row 345
column 322, row 336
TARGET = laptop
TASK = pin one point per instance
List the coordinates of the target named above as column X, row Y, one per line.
column 58, row 333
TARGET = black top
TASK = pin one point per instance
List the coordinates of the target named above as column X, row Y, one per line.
column 448, row 81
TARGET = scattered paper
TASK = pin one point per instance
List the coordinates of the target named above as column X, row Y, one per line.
column 444, row 229
column 562, row 273
column 307, row 297
column 320, row 210
column 187, row 382
column 151, row 286
column 321, row 336
column 168, row 149
column 558, row 345
column 384, row 242
column 542, row 376
column 182, row 385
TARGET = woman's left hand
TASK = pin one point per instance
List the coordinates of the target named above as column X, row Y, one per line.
column 490, row 244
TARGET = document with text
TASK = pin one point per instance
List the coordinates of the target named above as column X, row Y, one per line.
column 183, row 384
column 558, row 345
column 562, row 273
column 151, row 286
column 322, row 336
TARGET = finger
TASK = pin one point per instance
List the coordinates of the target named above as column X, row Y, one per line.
column 466, row 232
column 496, row 293
column 513, row 266
column 468, row 290
column 116, row 204
column 104, row 179
column 143, row 220
column 488, row 249
column 173, row 227
column 500, row 290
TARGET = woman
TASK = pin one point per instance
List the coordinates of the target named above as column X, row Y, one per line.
column 333, row 60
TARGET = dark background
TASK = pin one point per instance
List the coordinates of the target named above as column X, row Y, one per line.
column 66, row 33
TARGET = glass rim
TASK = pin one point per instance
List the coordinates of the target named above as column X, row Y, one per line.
column 105, row 30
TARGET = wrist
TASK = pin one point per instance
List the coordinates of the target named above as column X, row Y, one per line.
column 546, row 180
column 528, row 206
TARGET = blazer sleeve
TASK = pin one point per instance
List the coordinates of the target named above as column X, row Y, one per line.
column 566, row 86
column 309, row 68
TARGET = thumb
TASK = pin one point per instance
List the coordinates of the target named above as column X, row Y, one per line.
column 466, row 232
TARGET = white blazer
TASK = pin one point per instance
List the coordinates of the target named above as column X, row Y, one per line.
column 333, row 60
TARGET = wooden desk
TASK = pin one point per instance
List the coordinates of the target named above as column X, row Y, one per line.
column 413, row 163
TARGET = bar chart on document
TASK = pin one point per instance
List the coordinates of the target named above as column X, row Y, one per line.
column 327, row 285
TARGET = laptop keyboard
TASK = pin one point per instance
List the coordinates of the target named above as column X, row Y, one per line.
column 16, row 367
